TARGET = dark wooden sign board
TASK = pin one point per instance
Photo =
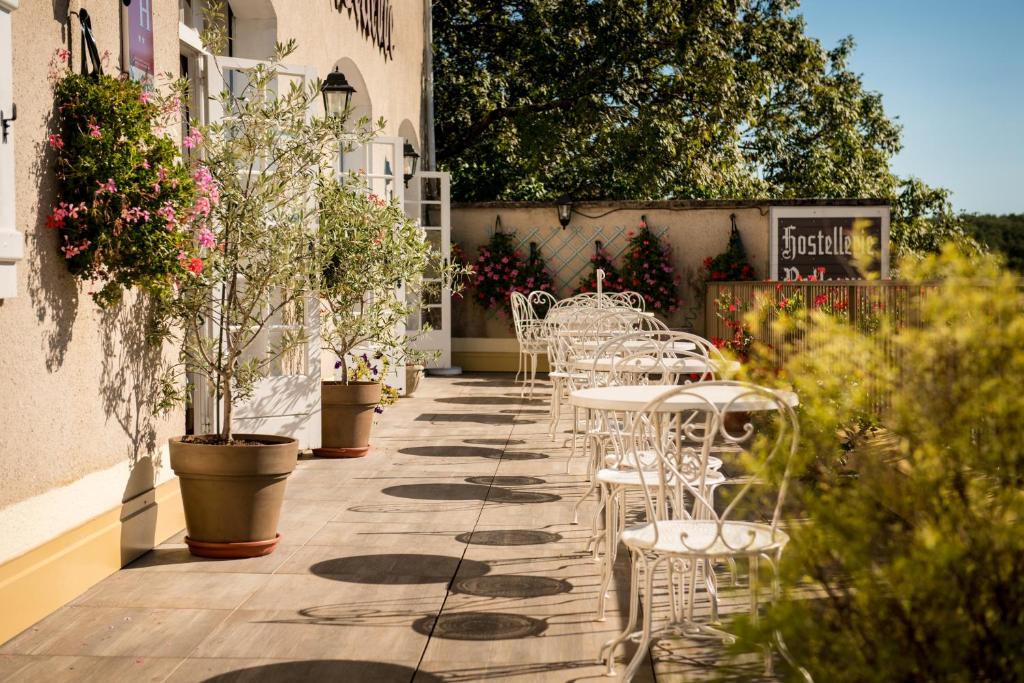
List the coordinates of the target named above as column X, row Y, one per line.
column 804, row 240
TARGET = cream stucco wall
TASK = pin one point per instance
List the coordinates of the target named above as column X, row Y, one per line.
column 694, row 232
column 77, row 437
column 76, row 381
column 325, row 36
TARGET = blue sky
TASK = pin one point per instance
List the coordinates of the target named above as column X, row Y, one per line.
column 952, row 72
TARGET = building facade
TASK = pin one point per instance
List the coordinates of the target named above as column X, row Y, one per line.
column 85, row 483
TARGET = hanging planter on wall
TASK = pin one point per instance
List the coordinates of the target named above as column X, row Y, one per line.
column 500, row 269
column 129, row 212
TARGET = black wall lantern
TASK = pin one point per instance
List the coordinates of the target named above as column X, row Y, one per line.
column 410, row 160
column 564, row 206
column 337, row 93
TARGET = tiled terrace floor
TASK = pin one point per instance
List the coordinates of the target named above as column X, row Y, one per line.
column 447, row 554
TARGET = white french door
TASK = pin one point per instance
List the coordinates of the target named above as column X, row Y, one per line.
column 379, row 163
column 428, row 200
column 286, row 401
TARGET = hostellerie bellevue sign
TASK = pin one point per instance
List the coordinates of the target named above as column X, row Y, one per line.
column 375, row 18
column 825, row 241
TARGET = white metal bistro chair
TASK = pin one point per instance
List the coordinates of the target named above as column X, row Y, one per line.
column 683, row 532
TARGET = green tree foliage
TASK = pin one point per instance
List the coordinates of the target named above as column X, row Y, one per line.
column 659, row 99
column 1004, row 234
column 912, row 544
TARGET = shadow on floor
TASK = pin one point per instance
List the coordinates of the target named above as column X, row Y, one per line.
column 469, row 452
column 505, row 481
column 495, row 442
column 492, row 494
column 489, row 383
column 477, row 418
column 511, row 586
column 509, row 537
column 326, row 670
column 388, row 569
column 480, row 626
column 489, row 400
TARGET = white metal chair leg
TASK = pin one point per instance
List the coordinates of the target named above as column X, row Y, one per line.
column 645, row 636
column 611, row 543
column 634, row 613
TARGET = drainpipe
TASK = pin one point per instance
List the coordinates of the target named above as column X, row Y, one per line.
column 429, row 158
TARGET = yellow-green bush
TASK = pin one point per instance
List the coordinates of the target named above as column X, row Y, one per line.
column 914, row 543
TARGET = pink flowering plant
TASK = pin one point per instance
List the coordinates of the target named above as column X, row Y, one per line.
column 647, row 268
column 500, row 269
column 130, row 212
column 367, row 246
column 613, row 281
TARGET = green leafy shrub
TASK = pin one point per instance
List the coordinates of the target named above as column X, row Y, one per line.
column 913, row 488
column 129, row 211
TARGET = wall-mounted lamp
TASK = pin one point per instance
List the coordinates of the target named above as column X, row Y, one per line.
column 6, row 121
column 337, row 92
column 410, row 160
column 564, row 206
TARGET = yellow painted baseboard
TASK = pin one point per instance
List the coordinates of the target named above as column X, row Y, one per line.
column 492, row 361
column 37, row 583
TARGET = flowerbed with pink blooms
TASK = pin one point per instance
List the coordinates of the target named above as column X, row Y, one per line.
column 130, row 211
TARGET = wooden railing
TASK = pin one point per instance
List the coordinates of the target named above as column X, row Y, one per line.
column 860, row 302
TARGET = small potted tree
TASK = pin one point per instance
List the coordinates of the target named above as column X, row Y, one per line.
column 368, row 248
column 256, row 270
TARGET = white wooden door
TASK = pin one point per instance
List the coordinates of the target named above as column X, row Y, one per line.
column 428, row 200
column 379, row 162
column 287, row 401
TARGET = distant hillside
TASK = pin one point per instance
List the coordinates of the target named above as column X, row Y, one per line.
column 1000, row 233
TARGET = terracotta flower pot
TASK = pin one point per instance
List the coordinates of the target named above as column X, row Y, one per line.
column 413, row 375
column 347, row 418
column 232, row 494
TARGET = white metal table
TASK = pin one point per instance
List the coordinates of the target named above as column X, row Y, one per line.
column 634, row 398
column 689, row 364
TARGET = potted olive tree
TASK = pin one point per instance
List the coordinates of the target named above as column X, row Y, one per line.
column 256, row 270
column 368, row 248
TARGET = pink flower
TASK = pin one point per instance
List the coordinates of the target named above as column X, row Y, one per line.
column 193, row 138
column 145, row 164
column 71, row 250
column 56, row 142
column 135, row 214
column 195, row 266
column 94, row 131
column 206, row 238
column 168, row 214
column 109, row 186
column 202, row 206
column 64, row 55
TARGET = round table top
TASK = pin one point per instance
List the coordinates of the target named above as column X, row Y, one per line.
column 593, row 344
column 689, row 364
column 635, row 397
